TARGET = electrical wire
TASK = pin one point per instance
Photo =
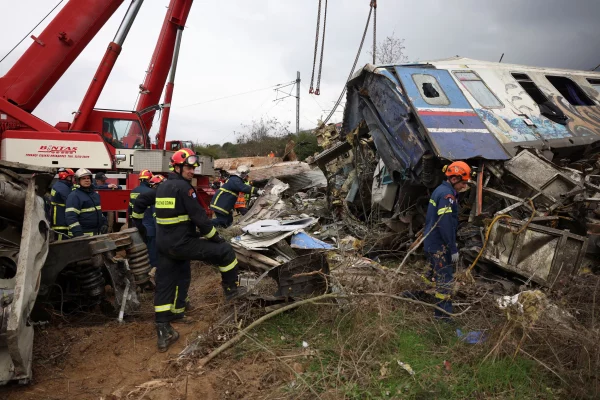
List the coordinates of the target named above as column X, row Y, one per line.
column 362, row 41
column 26, row 36
column 234, row 95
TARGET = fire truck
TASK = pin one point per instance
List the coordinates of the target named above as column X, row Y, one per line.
column 113, row 141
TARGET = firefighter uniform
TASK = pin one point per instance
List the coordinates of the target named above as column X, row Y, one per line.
column 178, row 214
column 84, row 214
column 147, row 218
column 58, row 200
column 440, row 242
column 224, row 199
column 144, row 205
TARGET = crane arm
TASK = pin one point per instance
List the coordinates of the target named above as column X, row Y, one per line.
column 50, row 55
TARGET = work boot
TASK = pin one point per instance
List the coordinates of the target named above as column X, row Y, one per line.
column 166, row 335
column 233, row 291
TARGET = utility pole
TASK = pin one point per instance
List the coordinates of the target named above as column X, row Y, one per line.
column 297, row 102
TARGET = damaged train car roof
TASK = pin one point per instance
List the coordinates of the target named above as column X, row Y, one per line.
column 460, row 108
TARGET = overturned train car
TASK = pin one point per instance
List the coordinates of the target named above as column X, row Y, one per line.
column 532, row 134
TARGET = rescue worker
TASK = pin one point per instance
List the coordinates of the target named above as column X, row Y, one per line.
column 100, row 182
column 58, row 201
column 83, row 213
column 241, row 204
column 144, row 186
column 441, row 225
column 178, row 215
column 144, row 203
column 225, row 197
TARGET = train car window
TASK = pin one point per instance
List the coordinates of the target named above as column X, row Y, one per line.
column 547, row 108
column 478, row 89
column 570, row 91
column 430, row 90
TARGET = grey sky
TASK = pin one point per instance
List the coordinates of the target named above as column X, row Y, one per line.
column 240, row 45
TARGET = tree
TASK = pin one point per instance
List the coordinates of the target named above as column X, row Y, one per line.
column 263, row 136
column 390, row 51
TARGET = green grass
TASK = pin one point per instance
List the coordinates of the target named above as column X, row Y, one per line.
column 349, row 350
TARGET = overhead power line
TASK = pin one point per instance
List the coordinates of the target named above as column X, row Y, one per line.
column 237, row 94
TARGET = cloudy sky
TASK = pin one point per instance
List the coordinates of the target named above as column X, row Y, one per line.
column 236, row 46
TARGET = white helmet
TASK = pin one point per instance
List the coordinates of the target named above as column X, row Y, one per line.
column 81, row 172
column 243, row 170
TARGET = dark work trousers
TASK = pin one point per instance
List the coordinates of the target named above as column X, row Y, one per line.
column 222, row 220
column 173, row 273
column 442, row 275
column 171, row 290
column 152, row 251
column 242, row 210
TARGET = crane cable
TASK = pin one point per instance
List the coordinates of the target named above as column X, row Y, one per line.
column 318, row 89
column 374, row 5
column 38, row 24
column 311, row 90
column 362, row 41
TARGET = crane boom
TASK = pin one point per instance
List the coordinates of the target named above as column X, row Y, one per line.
column 160, row 63
column 50, row 55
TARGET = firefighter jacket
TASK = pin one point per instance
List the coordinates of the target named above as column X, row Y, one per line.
column 144, row 203
column 58, row 200
column 441, row 220
column 178, row 213
column 226, row 196
column 84, row 214
column 148, row 219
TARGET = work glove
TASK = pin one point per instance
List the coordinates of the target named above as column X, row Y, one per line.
column 217, row 238
column 260, row 192
column 104, row 229
column 454, row 258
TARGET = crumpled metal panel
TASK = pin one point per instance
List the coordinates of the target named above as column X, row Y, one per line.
column 543, row 255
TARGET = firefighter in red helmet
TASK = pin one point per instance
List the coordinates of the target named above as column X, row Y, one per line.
column 185, row 233
column 441, row 225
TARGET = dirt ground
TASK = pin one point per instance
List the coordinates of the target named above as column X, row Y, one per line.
column 92, row 357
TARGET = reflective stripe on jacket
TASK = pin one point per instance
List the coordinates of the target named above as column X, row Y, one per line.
column 443, row 211
column 178, row 212
column 83, row 213
column 58, row 201
column 144, row 204
column 226, row 196
column 148, row 219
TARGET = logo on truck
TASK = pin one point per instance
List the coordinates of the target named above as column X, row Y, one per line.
column 57, row 149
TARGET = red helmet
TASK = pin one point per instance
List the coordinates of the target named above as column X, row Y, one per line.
column 63, row 173
column 185, row 157
column 459, row 168
column 145, row 174
column 156, row 179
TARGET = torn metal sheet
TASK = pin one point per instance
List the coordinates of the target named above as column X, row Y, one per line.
column 268, row 226
column 263, row 242
column 267, row 206
column 302, row 240
column 543, row 255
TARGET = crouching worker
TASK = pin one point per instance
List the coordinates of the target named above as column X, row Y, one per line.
column 441, row 226
column 185, row 233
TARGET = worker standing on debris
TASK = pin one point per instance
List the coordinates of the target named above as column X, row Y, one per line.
column 178, row 215
column 58, row 200
column 83, row 213
column 224, row 199
column 144, row 203
column 441, row 226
